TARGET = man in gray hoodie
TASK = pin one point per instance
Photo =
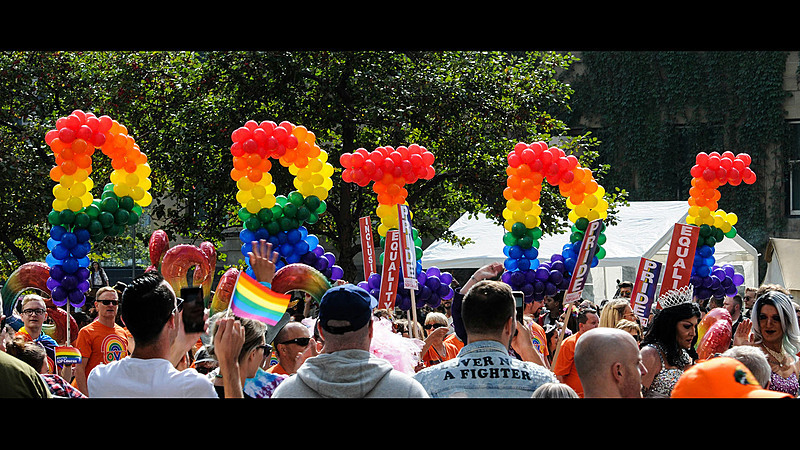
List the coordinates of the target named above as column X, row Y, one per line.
column 345, row 368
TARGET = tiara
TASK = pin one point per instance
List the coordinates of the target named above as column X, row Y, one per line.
column 675, row 297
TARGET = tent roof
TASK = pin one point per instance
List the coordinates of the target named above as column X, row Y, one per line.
column 783, row 256
column 643, row 229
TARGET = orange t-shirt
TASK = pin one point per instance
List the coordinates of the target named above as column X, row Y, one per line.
column 432, row 357
column 100, row 344
column 277, row 369
column 565, row 365
column 454, row 340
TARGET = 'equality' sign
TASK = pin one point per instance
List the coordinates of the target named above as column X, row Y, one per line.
column 390, row 275
column 680, row 259
column 644, row 288
column 367, row 246
column 584, row 261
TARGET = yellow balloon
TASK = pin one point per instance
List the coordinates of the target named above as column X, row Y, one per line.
column 146, row 200
column 253, row 206
column 732, row 218
column 75, row 204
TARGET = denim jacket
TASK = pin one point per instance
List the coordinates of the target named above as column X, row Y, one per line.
column 484, row 369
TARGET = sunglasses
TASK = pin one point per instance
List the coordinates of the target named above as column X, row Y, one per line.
column 433, row 326
column 109, row 302
column 302, row 341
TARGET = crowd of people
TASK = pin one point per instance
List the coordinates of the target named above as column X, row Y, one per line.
column 476, row 344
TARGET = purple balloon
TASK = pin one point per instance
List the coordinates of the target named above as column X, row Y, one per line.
column 51, row 283
column 374, row 280
column 538, row 287
column 433, row 282
column 506, row 277
column 738, row 279
column 450, row 294
column 517, row 279
column 550, row 289
column 446, row 278
column 434, row 271
column 556, row 277
column 425, row 292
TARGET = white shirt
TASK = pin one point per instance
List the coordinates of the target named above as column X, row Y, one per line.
column 147, row 378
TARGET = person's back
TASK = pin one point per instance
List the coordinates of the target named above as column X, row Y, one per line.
column 150, row 378
column 19, row 380
column 349, row 374
column 484, row 367
column 346, row 368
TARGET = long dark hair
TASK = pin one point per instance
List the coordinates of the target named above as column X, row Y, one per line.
column 662, row 331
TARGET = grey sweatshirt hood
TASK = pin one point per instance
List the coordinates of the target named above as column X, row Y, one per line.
column 343, row 374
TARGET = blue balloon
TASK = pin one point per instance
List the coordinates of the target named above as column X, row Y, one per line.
column 52, row 261
column 51, row 244
column 57, row 231
column 70, row 265
column 69, row 240
column 313, row 241
column 60, row 252
column 247, row 236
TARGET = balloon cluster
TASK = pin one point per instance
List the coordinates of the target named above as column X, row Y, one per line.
column 545, row 280
column 720, row 282
column 77, row 217
column 433, row 286
column 280, row 219
column 529, row 165
column 712, row 170
column 390, row 169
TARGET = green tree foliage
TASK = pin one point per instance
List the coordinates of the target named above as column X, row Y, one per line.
column 468, row 108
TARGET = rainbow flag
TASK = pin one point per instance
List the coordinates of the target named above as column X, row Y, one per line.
column 253, row 300
column 66, row 355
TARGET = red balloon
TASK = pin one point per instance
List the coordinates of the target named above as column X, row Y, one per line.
column 701, row 159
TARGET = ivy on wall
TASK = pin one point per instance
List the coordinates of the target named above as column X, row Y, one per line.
column 654, row 111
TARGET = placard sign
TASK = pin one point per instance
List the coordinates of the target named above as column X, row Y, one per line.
column 678, row 269
column 408, row 252
column 584, row 262
column 644, row 288
column 367, row 246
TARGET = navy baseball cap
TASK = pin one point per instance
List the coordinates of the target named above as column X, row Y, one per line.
column 346, row 303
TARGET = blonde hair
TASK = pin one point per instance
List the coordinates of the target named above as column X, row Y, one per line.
column 629, row 325
column 613, row 312
column 105, row 289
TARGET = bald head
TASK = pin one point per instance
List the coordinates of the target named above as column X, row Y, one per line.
column 608, row 363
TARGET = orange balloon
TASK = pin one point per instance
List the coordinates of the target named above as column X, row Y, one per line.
column 236, row 174
column 68, row 167
column 56, row 173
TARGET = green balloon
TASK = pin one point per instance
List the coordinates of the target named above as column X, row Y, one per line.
column 312, row 218
column 66, row 216
column 576, row 237
column 273, row 228
column 312, row 202
column 518, row 229
column 535, row 233
column 418, row 252
column 601, row 239
column 281, row 200
column 705, row 230
column 243, row 214
column 525, row 242
column 93, row 210
column 290, row 210
column 110, row 204
column 133, row 218
column 252, row 223
column 322, row 207
column 82, row 219
column 302, row 213
column 600, row 253
column 106, row 219
column 54, row 217
column 295, row 198
column 126, row 203
column 265, row 215
column 582, row 223
column 509, row 239
column 731, row 233
column 121, row 217
column 277, row 212
column 95, row 227
column 114, row 230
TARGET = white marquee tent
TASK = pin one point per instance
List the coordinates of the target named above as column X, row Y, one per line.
column 643, row 229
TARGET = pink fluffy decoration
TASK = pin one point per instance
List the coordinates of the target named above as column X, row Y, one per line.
column 401, row 352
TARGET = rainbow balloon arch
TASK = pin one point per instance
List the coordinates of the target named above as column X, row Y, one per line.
column 77, row 218
column 529, row 166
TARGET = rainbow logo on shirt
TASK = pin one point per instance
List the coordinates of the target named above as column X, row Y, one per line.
column 114, row 348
